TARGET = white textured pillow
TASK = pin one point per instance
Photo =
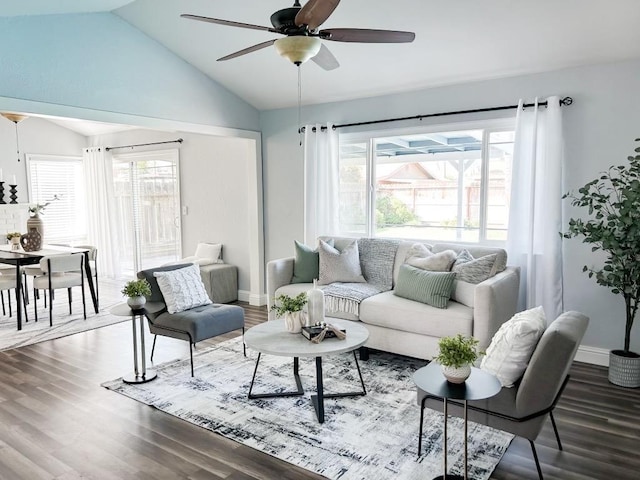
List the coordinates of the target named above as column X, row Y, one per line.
column 209, row 251
column 336, row 266
column 513, row 344
column 435, row 262
column 182, row 289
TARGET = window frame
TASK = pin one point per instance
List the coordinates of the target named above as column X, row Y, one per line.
column 488, row 126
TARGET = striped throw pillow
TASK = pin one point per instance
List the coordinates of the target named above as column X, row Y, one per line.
column 432, row 288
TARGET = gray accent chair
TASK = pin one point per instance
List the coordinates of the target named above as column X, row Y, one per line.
column 523, row 409
column 193, row 325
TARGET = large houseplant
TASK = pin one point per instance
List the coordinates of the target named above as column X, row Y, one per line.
column 612, row 225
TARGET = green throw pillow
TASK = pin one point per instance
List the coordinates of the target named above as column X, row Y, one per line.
column 305, row 266
column 432, row 288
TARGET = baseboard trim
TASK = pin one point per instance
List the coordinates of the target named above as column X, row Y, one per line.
column 255, row 300
column 593, row 355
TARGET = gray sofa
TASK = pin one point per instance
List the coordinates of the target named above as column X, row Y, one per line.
column 411, row 328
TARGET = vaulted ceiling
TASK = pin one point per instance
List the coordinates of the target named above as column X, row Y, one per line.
column 456, row 41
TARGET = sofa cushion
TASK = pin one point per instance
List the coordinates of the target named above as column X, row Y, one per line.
column 377, row 256
column 432, row 288
column 464, row 293
column 511, row 347
column 305, row 265
column 339, row 266
column 476, row 252
column 390, row 311
column 420, row 256
column 474, row 270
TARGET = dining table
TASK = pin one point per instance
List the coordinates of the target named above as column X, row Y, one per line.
column 20, row 258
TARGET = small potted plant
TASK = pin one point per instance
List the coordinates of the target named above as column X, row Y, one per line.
column 291, row 309
column 14, row 239
column 456, row 356
column 137, row 291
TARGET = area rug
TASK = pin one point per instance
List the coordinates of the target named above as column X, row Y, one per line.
column 370, row 437
column 63, row 323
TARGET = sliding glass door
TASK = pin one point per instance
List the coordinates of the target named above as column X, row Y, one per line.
column 147, row 191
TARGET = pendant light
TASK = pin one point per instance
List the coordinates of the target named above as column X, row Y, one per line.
column 15, row 118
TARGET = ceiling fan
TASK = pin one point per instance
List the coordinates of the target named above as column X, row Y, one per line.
column 302, row 39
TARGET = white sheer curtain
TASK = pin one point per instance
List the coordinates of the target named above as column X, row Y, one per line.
column 321, row 182
column 102, row 226
column 535, row 215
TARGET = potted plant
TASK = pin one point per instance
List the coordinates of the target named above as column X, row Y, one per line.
column 456, row 354
column 14, row 239
column 137, row 291
column 291, row 309
column 612, row 226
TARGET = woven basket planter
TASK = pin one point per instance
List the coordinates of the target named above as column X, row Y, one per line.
column 624, row 370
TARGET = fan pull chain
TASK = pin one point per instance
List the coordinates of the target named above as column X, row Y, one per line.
column 299, row 102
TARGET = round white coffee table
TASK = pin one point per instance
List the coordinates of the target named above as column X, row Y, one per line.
column 272, row 338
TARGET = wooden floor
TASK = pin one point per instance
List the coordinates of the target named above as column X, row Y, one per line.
column 57, row 422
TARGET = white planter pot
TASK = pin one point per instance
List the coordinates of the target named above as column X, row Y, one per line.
column 294, row 321
column 136, row 303
column 456, row 374
column 624, row 370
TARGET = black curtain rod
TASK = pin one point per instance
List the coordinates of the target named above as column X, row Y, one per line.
column 179, row 140
column 563, row 101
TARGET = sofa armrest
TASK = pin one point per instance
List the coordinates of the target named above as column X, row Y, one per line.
column 495, row 302
column 279, row 273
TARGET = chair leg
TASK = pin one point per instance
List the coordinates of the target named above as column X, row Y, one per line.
column 191, row 356
column 24, row 302
column 35, row 305
column 535, row 457
column 4, row 312
column 69, row 296
column 50, row 306
column 244, row 345
column 153, row 348
column 555, row 430
column 84, row 303
column 9, row 297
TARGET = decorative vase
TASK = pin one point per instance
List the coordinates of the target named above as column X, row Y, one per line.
column 315, row 304
column 136, row 303
column 294, row 321
column 32, row 240
column 456, row 374
column 624, row 368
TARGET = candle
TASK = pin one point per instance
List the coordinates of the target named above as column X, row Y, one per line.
column 13, row 180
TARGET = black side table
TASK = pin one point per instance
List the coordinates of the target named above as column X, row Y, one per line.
column 140, row 375
column 478, row 386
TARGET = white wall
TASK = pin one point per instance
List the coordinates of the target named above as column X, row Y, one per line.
column 38, row 136
column 600, row 128
column 215, row 176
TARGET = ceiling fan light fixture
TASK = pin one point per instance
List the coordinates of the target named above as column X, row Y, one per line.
column 14, row 117
column 298, row 49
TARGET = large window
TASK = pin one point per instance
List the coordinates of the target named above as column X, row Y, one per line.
column 65, row 219
column 446, row 184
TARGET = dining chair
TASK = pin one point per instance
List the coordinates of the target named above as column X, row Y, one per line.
column 93, row 263
column 60, row 271
column 8, row 283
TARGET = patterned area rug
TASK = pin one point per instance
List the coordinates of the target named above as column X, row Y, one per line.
column 63, row 323
column 371, row 437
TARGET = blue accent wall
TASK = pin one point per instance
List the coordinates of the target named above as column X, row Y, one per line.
column 100, row 62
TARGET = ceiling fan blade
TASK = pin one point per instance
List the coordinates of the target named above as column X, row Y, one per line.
column 315, row 13
column 229, row 23
column 325, row 59
column 244, row 51
column 364, row 35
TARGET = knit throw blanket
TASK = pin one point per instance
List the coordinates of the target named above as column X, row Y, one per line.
column 346, row 297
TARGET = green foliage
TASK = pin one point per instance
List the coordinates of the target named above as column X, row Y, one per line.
column 286, row 304
column 391, row 211
column 457, row 351
column 11, row 235
column 612, row 225
column 137, row 288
